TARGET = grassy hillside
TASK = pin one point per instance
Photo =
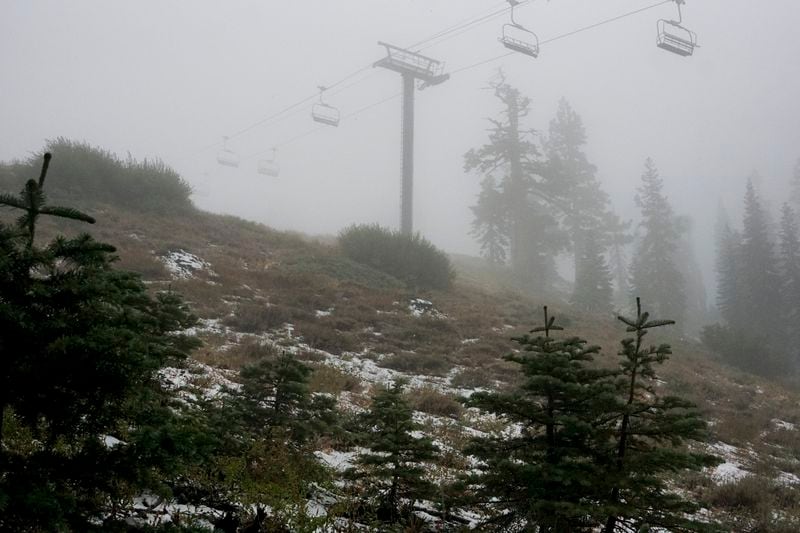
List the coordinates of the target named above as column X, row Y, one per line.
column 255, row 287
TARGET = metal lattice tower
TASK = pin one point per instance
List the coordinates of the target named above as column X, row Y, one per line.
column 412, row 67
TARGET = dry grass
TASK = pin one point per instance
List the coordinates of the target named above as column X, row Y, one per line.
column 433, row 402
column 333, row 381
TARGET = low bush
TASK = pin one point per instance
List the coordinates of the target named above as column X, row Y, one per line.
column 254, row 317
column 417, row 363
column 411, row 259
column 88, row 173
column 331, row 380
column 433, row 402
column 472, row 378
column 324, row 337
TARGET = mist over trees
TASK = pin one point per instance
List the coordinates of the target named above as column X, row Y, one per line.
column 540, row 197
column 757, row 293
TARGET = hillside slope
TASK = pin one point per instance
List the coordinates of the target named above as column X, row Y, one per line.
column 254, row 287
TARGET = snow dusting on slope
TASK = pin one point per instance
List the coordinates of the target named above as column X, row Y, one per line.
column 184, row 265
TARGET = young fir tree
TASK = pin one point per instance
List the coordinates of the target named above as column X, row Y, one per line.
column 544, row 477
column 275, row 400
column 654, row 274
column 80, row 347
column 790, row 282
column 528, row 226
column 592, row 290
column 392, row 472
column 647, row 444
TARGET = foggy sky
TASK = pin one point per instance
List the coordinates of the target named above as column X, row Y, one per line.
column 167, row 78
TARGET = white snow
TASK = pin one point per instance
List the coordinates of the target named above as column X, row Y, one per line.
column 419, row 307
column 183, row 265
column 781, row 424
column 731, row 469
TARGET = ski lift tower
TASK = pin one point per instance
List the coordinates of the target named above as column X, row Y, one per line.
column 412, row 67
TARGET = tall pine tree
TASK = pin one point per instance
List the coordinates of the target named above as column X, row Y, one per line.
column 510, row 214
column 592, row 290
column 570, row 183
column 760, row 281
column 790, row 283
column 654, row 273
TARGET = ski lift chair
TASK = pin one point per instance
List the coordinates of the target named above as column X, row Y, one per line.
column 269, row 167
column 517, row 38
column 324, row 113
column 673, row 37
column 226, row 156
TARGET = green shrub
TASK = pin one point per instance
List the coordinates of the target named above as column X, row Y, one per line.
column 412, row 259
column 417, row 363
column 86, row 173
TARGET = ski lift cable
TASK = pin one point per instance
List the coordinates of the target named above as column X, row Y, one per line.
column 454, row 27
column 474, row 65
column 456, row 30
column 318, row 128
column 463, row 26
column 565, row 35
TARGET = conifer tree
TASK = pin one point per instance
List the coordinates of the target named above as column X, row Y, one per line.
column 490, row 226
column 592, row 290
column 570, row 183
column 654, row 273
column 728, row 243
column 80, row 347
column 760, row 281
column 795, row 187
column 511, row 201
column 275, row 400
column 545, row 475
column 790, row 282
column 392, row 472
column 647, row 441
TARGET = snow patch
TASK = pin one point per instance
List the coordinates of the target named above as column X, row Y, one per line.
column 184, row 265
column 419, row 307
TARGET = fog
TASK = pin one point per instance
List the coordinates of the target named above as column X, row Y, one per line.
column 169, row 79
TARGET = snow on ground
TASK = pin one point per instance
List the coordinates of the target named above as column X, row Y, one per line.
column 209, row 380
column 339, row 461
column 419, row 307
column 183, row 265
column 781, row 424
column 731, row 469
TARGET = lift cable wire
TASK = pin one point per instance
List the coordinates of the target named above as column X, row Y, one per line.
column 475, row 65
column 565, row 35
column 317, row 128
column 462, row 26
column 456, row 30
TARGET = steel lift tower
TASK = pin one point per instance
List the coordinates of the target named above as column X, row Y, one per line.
column 412, row 67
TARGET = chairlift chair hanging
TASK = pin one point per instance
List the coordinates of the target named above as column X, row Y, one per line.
column 226, row 156
column 324, row 113
column 269, row 167
column 675, row 38
column 518, row 38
